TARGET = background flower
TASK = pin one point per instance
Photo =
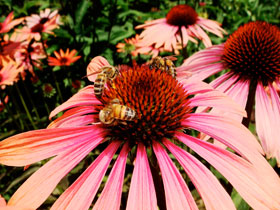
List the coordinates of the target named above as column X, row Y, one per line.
column 252, row 55
column 63, row 59
column 181, row 24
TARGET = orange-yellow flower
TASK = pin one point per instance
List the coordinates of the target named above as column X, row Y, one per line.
column 63, row 59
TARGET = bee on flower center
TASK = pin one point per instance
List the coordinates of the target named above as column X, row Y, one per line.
column 115, row 113
column 107, row 73
column 165, row 64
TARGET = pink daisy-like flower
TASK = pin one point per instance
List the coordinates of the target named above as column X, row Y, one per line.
column 181, row 22
column 252, row 57
column 29, row 56
column 9, row 23
column 162, row 108
column 46, row 22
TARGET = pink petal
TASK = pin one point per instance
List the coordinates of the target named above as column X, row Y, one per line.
column 249, row 180
column 74, row 112
column 81, row 193
column 141, row 194
column 32, row 146
column 227, row 131
column 218, row 100
column 267, row 121
column 94, row 67
column 178, row 196
column 84, row 97
column 113, row 189
column 39, row 186
column 211, row 191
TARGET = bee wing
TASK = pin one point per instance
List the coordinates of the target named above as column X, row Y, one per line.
column 171, row 57
column 94, row 67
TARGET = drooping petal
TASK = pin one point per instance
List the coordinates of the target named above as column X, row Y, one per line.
column 83, row 98
column 229, row 132
column 246, row 178
column 213, row 194
column 178, row 196
column 142, row 194
column 81, row 193
column 74, row 112
column 39, row 186
column 94, row 67
column 32, row 146
column 218, row 100
column 114, row 184
column 267, row 121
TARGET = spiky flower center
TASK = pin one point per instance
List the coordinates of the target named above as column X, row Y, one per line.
column 253, row 52
column 159, row 100
column 38, row 28
column 63, row 60
column 181, row 15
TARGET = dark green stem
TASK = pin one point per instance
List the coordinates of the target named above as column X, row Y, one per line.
column 250, row 103
column 10, row 112
column 31, row 101
column 22, row 125
column 25, row 107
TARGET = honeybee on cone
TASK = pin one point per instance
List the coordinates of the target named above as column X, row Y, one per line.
column 115, row 113
column 165, row 64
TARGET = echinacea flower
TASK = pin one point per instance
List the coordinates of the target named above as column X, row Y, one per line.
column 46, row 22
column 181, row 24
column 252, row 57
column 63, row 59
column 29, row 56
column 9, row 23
column 9, row 73
column 160, row 109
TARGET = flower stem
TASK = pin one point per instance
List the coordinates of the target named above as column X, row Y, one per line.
column 52, row 72
column 10, row 112
column 22, row 125
column 158, row 183
column 31, row 101
column 184, row 50
column 25, row 107
column 250, row 103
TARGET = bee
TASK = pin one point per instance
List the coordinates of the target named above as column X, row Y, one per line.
column 115, row 113
column 107, row 73
column 165, row 64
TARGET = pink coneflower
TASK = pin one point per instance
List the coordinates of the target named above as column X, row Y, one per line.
column 9, row 23
column 29, row 56
column 46, row 22
column 162, row 110
column 9, row 73
column 63, row 59
column 252, row 55
column 181, row 24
